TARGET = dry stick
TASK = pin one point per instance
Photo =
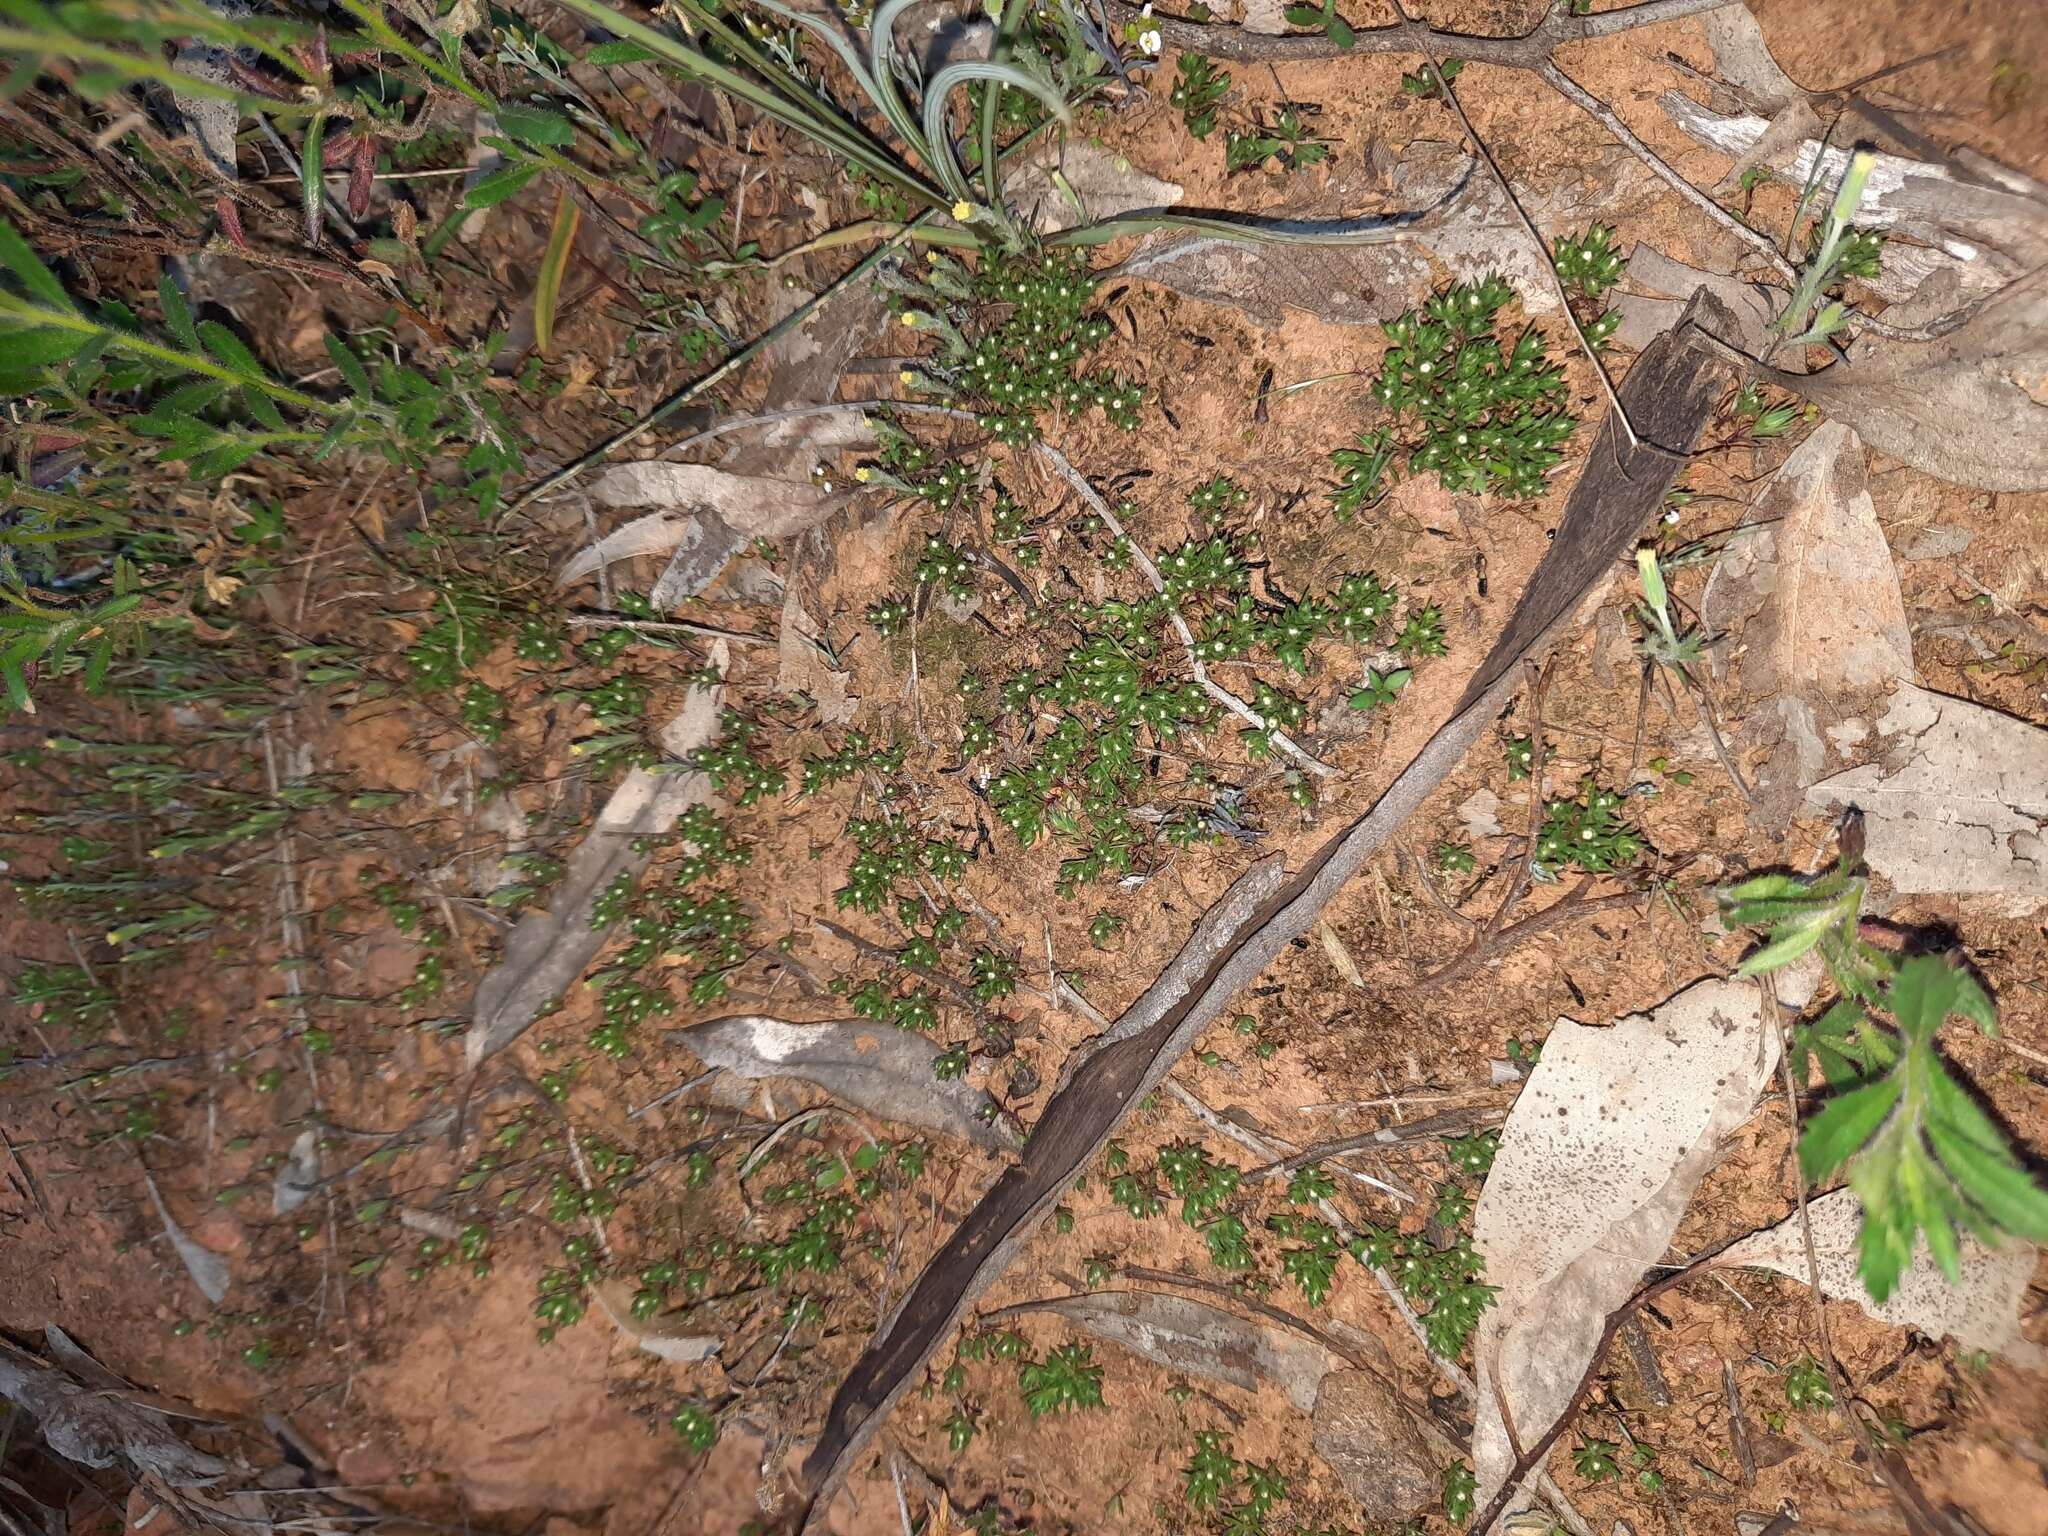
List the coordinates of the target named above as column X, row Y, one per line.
column 1488, row 945
column 1209, row 685
column 1531, row 1458
column 1543, row 254
column 672, row 627
column 1524, row 52
column 1738, row 1432
column 1921, row 1519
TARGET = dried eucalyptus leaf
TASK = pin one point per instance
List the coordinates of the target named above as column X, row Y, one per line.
column 1981, row 1310
column 297, row 1176
column 1957, row 801
column 209, row 1270
column 1598, row 1161
column 886, row 1071
column 748, row 506
column 1183, row 1334
column 1809, row 588
column 1970, row 407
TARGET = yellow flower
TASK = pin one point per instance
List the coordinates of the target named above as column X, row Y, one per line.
column 861, row 475
column 963, row 211
column 906, row 376
column 910, row 320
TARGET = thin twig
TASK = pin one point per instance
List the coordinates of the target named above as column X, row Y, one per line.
column 1543, row 251
column 672, row 627
column 1489, row 945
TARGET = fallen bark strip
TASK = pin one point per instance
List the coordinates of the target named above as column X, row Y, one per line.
column 1669, row 394
column 1221, row 40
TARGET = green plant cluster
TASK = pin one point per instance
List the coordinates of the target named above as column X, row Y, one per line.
column 690, row 929
column 1010, row 340
column 1125, row 686
column 1213, row 1476
column 1288, row 140
column 1484, row 413
column 1587, row 832
column 1198, row 91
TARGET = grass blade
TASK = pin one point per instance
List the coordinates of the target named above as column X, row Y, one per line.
column 547, row 288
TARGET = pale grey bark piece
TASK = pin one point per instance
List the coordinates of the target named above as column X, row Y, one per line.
column 878, row 1068
column 1956, row 802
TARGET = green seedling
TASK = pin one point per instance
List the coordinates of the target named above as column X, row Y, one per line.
column 1835, row 243
column 1198, row 89
column 1323, row 19
column 1287, row 140
column 1423, row 84
column 1066, row 1380
column 1806, row 1385
column 1922, row 1157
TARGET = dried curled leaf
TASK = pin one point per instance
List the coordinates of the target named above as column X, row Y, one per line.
column 1968, row 408
column 1980, row 1311
column 887, row 1072
column 748, row 507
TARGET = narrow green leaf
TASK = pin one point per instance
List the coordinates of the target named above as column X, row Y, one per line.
column 1339, row 31
column 263, row 408
column 96, row 665
column 216, row 462
column 1843, row 1127
column 40, row 348
column 177, row 313
column 500, row 185
column 349, row 365
column 1998, row 1184
column 535, row 125
column 1792, row 941
column 605, row 55
column 547, row 287
column 229, row 351
column 311, row 163
column 38, row 280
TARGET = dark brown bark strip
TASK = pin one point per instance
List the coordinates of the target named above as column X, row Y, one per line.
column 1669, row 393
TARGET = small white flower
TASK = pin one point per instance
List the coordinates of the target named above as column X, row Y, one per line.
column 1149, row 40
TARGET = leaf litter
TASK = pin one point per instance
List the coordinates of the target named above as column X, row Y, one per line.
column 1598, row 1162
column 1954, row 794
column 886, row 1072
column 1980, row 1310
